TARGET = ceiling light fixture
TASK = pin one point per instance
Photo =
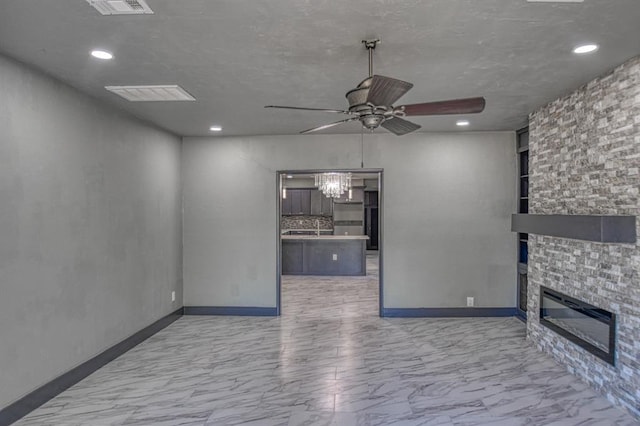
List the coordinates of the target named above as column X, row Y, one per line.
column 462, row 123
column 215, row 128
column 102, row 54
column 585, row 48
column 333, row 184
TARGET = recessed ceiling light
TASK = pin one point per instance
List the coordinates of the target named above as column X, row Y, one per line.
column 462, row 123
column 215, row 128
column 586, row 48
column 102, row 54
column 289, row 176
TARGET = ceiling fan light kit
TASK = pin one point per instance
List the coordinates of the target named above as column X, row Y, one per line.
column 371, row 103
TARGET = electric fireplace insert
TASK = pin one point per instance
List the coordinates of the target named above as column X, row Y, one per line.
column 585, row 325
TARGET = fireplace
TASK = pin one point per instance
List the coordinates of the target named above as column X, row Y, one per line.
column 585, row 325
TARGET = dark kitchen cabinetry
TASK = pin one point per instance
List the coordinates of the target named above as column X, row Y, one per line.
column 286, row 204
column 301, row 201
column 321, row 205
column 311, row 201
column 292, row 260
column 298, row 202
column 327, row 205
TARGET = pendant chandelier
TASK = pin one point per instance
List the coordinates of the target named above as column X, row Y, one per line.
column 333, row 184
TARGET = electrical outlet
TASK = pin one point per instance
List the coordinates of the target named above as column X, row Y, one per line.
column 470, row 301
column 173, row 296
column 335, row 256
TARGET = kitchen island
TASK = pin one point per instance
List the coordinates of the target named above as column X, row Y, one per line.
column 324, row 254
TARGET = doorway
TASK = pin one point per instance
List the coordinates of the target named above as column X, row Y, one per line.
column 329, row 245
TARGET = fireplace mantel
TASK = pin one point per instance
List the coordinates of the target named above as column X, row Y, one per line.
column 601, row 229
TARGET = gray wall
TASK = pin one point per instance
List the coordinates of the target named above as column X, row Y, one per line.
column 447, row 205
column 90, row 228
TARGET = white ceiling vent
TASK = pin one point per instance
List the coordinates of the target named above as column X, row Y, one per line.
column 121, row 7
column 151, row 93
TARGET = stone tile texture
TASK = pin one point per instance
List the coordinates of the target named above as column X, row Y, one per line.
column 331, row 360
column 584, row 152
column 306, row 222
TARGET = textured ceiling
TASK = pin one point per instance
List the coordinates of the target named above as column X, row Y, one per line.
column 235, row 56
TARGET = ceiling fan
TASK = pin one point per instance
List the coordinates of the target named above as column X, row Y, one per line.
column 371, row 103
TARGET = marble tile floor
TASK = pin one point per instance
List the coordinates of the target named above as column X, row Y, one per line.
column 330, row 360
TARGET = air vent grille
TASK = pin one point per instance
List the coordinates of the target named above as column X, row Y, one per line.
column 121, row 7
column 164, row 93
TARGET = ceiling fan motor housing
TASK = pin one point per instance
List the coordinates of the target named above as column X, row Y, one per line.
column 369, row 115
column 358, row 96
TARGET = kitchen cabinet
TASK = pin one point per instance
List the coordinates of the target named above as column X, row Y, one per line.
column 316, row 202
column 286, row 204
column 326, row 205
column 306, row 202
column 292, row 260
column 298, row 202
column 320, row 204
column 324, row 255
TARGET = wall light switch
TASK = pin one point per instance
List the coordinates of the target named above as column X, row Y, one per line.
column 335, row 256
column 173, row 296
column 470, row 301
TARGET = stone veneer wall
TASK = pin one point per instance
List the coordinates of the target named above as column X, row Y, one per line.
column 585, row 159
column 305, row 222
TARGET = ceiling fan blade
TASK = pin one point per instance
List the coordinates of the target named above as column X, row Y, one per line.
column 326, row 126
column 384, row 91
column 339, row 111
column 399, row 126
column 454, row 106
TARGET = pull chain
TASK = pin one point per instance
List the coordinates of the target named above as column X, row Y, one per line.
column 362, row 147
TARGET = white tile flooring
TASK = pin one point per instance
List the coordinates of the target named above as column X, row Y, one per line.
column 330, row 360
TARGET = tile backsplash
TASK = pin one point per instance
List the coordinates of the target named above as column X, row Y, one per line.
column 305, row 222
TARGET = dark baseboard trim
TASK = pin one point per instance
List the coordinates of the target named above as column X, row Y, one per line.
column 38, row 397
column 521, row 316
column 447, row 312
column 243, row 311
